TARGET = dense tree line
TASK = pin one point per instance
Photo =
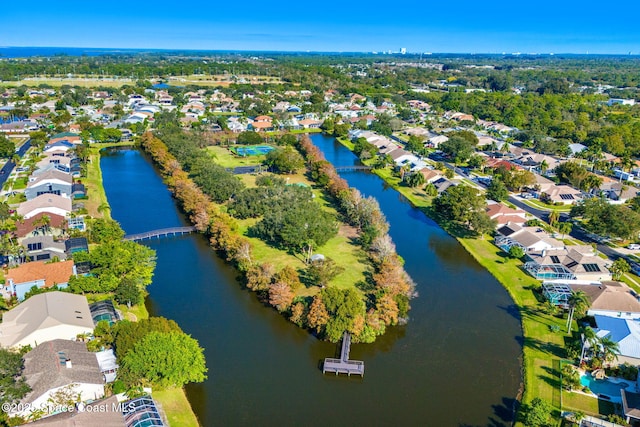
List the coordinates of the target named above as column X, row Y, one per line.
column 602, row 218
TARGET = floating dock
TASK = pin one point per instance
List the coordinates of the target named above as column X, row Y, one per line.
column 344, row 365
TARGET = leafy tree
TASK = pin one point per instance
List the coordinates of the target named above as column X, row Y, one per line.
column 415, row 179
column 115, row 260
column 516, row 252
column 215, row 181
column 5, row 213
column 289, row 276
column 497, row 190
column 280, row 296
column 104, row 230
column 565, row 228
column 415, row 144
column 619, row 268
column 164, row 359
column 570, row 377
column 343, row 306
column 321, row 272
column 128, row 292
column 12, row 385
column 578, row 302
column 536, row 413
column 250, row 137
column 459, row 203
column 302, row 226
column 318, row 315
column 285, row 160
column 459, row 148
column 127, row 333
column 288, row 139
column 7, row 147
column 364, row 149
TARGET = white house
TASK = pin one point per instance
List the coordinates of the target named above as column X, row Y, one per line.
column 46, row 317
column 60, row 372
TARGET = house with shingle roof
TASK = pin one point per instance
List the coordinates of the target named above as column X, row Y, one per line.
column 20, row 279
column 610, row 298
column 504, row 214
column 33, row 225
column 45, row 203
column 60, row 367
column 45, row 317
column 572, row 263
column 530, row 239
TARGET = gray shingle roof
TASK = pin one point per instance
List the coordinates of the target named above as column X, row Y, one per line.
column 44, row 369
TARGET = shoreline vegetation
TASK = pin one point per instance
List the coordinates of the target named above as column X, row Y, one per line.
column 172, row 400
column 303, row 292
column 542, row 345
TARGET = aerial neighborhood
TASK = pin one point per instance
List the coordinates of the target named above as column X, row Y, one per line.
column 552, row 211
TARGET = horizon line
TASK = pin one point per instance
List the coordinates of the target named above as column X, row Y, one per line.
column 370, row 52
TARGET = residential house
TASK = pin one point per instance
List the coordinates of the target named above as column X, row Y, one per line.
column 69, row 137
column 616, row 192
column 35, row 226
column 60, row 366
column 44, row 248
column 613, row 299
column 430, row 175
column 572, row 263
column 505, row 215
column 624, row 332
column 310, row 123
column 45, row 317
column 442, row 184
column 564, row 194
column 530, row 239
column 262, row 124
column 104, row 413
column 19, row 280
column 45, row 203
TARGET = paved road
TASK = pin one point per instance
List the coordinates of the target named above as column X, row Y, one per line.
column 8, row 167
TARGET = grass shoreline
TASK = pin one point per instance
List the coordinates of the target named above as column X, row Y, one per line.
column 174, row 402
column 542, row 349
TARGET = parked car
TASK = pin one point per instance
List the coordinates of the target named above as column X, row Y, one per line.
column 634, row 247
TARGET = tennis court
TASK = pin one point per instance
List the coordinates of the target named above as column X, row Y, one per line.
column 252, row 150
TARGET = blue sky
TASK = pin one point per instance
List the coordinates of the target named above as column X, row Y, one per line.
column 472, row 26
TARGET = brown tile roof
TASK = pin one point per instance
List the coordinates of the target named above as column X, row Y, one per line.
column 26, row 226
column 53, row 273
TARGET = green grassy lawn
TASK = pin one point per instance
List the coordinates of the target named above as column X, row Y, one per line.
column 544, row 206
column 56, row 82
column 176, row 406
column 572, row 401
column 225, row 158
column 340, row 248
column 95, row 190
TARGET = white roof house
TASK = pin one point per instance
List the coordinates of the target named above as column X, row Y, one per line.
column 60, row 367
column 46, row 317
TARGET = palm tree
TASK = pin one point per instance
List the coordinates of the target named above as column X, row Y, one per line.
column 565, row 228
column 619, row 267
column 104, row 207
column 609, row 349
column 589, row 340
column 554, row 217
column 544, row 166
column 577, row 301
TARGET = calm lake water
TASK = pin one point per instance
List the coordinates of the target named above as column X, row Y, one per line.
column 455, row 364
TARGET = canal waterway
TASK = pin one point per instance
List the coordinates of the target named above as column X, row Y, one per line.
column 456, row 363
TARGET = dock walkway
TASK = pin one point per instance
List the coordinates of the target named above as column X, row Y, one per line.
column 344, row 365
column 163, row 232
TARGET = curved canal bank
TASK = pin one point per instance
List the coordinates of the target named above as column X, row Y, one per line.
column 460, row 349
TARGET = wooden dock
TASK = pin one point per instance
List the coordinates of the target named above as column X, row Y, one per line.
column 163, row 232
column 344, row 365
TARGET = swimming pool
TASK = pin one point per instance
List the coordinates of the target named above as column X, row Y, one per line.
column 604, row 387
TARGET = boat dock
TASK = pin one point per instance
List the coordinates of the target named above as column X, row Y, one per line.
column 344, row 365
